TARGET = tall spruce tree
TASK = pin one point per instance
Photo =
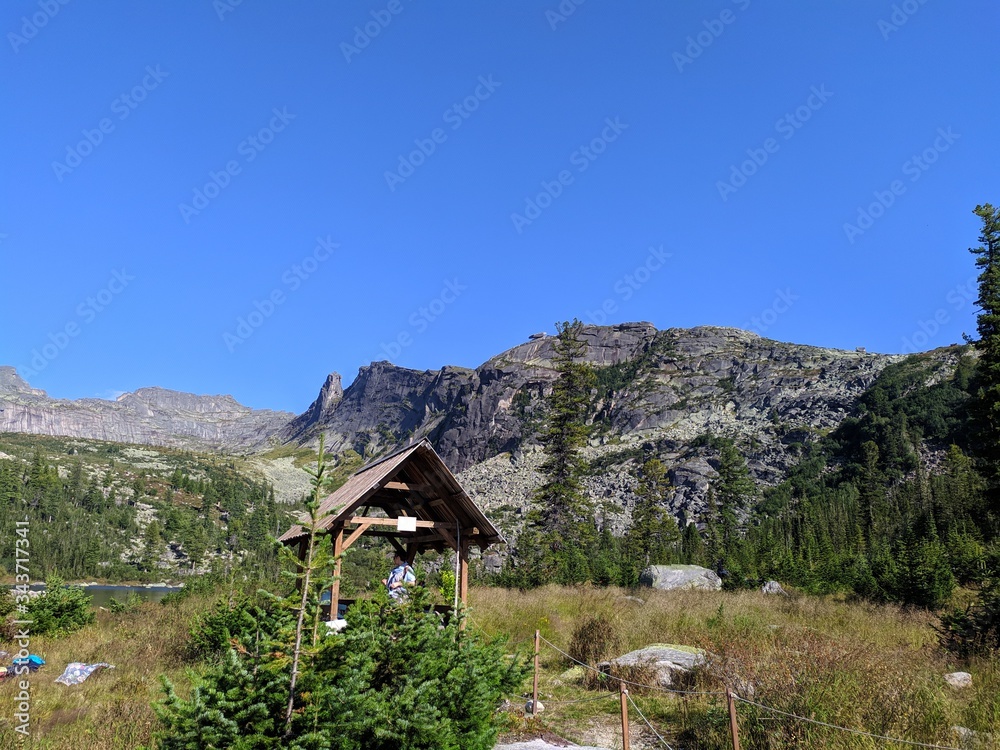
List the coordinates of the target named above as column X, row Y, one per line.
column 560, row 533
column 653, row 537
column 735, row 488
column 986, row 412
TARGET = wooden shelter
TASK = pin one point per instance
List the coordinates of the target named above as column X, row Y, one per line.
column 412, row 499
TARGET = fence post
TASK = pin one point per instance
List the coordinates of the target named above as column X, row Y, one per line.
column 624, row 698
column 534, row 686
column 733, row 726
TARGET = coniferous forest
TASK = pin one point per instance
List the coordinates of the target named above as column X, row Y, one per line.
column 92, row 512
column 897, row 504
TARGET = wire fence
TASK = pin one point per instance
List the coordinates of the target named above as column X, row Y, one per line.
column 737, row 699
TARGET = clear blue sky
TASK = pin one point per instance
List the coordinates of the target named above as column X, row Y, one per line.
column 173, row 93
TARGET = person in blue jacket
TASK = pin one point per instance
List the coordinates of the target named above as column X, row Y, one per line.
column 400, row 577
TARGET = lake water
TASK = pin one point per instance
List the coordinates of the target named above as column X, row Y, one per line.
column 102, row 595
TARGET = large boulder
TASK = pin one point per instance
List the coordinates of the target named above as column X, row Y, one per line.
column 661, row 663
column 958, row 679
column 669, row 577
column 773, row 587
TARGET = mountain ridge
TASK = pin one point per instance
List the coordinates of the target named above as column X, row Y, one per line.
column 659, row 392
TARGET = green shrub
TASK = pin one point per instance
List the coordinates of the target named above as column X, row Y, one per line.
column 596, row 639
column 205, row 584
column 60, row 609
column 976, row 630
column 240, row 622
column 447, row 584
column 131, row 603
column 6, row 602
column 397, row 679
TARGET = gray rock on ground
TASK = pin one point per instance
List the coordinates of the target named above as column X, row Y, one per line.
column 773, row 587
column 669, row 577
column 664, row 661
column 958, row 679
column 531, row 710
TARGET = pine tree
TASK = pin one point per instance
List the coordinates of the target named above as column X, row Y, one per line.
column 734, row 488
column 560, row 537
column 653, row 537
column 986, row 412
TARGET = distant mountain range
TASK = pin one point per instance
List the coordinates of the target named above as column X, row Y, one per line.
column 660, row 389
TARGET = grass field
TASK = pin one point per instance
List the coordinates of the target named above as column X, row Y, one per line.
column 869, row 668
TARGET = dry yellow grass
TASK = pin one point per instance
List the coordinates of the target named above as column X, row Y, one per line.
column 862, row 666
column 876, row 668
column 113, row 709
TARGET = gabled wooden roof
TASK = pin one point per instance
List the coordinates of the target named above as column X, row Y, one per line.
column 415, row 482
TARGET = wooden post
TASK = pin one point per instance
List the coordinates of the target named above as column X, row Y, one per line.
column 463, row 577
column 338, row 551
column 463, row 585
column 626, row 744
column 733, row 726
column 534, row 684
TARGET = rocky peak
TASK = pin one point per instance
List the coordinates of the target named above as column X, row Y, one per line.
column 164, row 398
column 152, row 416
column 11, row 382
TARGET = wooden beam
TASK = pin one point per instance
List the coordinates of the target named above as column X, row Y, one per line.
column 355, row 534
column 401, row 538
column 448, row 537
column 405, row 486
column 399, row 547
column 338, row 551
column 392, row 522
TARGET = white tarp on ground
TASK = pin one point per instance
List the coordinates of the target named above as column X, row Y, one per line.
column 543, row 745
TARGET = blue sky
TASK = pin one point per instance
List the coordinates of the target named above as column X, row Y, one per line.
column 241, row 198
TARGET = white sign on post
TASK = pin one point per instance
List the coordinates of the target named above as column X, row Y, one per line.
column 407, row 523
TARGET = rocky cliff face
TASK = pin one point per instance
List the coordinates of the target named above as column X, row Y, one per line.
column 150, row 416
column 658, row 391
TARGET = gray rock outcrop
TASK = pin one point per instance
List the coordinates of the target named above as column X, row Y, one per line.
column 150, row 416
column 669, row 577
column 958, row 679
column 660, row 390
column 660, row 663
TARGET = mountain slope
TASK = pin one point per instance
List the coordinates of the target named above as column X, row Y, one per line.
column 658, row 389
column 150, row 416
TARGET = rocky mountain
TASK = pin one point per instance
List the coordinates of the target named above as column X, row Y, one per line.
column 150, row 416
column 658, row 392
